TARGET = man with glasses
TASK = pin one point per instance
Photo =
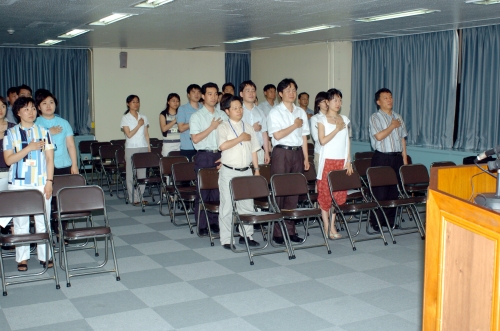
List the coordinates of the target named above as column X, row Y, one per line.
column 288, row 128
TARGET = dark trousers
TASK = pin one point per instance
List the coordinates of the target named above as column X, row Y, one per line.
column 386, row 192
column 206, row 160
column 189, row 153
column 62, row 171
column 286, row 161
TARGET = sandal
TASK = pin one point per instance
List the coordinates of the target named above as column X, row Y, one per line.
column 334, row 236
column 22, row 266
column 50, row 264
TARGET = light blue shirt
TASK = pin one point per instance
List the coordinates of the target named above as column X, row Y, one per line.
column 200, row 121
column 183, row 116
column 10, row 115
column 61, row 154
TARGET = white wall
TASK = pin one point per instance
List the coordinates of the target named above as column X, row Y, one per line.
column 150, row 74
column 315, row 68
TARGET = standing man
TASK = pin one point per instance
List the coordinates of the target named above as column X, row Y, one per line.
column 288, row 128
column 253, row 115
column 387, row 136
column 270, row 94
column 228, row 88
column 304, row 104
column 12, row 95
column 203, row 127
column 24, row 91
column 183, row 115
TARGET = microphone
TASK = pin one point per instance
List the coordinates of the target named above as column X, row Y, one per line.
column 489, row 152
column 494, row 165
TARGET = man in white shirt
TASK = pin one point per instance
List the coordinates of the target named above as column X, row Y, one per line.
column 288, row 128
column 253, row 116
column 270, row 94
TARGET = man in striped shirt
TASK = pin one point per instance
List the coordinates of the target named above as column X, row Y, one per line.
column 387, row 136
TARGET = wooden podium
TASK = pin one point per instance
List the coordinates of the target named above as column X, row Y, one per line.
column 462, row 253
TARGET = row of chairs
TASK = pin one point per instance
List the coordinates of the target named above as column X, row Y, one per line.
column 73, row 201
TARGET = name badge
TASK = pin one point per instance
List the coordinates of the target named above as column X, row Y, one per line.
column 31, row 163
column 173, row 130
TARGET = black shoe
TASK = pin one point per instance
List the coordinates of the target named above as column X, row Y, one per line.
column 279, row 240
column 296, row 239
column 214, row 228
column 203, row 232
column 251, row 242
column 375, row 227
column 228, row 246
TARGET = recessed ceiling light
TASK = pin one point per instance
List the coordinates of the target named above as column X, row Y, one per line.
column 152, row 3
column 396, row 15
column 74, row 33
column 244, row 40
column 111, row 19
column 483, row 2
column 310, row 29
column 50, row 42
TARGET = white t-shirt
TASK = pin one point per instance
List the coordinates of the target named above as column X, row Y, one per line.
column 138, row 139
column 335, row 149
column 281, row 118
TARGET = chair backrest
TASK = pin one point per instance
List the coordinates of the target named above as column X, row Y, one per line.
column 408, row 158
column 311, row 173
column 443, row 164
column 249, row 187
column 339, row 180
column 289, row 184
column 62, row 181
column 183, row 172
column 108, row 152
column 381, row 176
column 208, row 179
column 94, row 147
column 265, row 171
column 362, row 165
column 84, row 146
column 145, row 160
column 71, row 200
column 414, row 174
column 21, row 203
column 156, row 150
column 174, row 153
column 119, row 142
column 363, row 155
column 167, row 161
column 155, row 142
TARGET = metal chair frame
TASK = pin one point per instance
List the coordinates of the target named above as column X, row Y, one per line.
column 107, row 154
column 85, row 156
column 168, row 188
column 148, row 161
column 208, row 180
column 96, row 160
column 183, row 178
column 121, row 174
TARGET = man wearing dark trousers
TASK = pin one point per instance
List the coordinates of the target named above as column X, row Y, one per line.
column 387, row 135
column 183, row 115
column 288, row 128
column 203, row 128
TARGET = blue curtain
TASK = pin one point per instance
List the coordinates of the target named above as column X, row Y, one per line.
column 479, row 110
column 64, row 72
column 421, row 72
column 237, row 68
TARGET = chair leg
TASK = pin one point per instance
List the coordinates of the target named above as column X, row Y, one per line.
column 50, row 249
column 286, row 237
column 114, row 257
column 65, row 257
column 4, row 287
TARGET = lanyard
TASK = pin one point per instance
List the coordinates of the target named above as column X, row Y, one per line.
column 242, row 123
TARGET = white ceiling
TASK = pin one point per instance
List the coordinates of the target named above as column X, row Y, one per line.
column 185, row 24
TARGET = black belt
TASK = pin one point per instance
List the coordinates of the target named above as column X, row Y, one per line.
column 292, row 148
column 171, row 141
column 390, row 153
column 4, row 169
column 208, row 151
column 237, row 169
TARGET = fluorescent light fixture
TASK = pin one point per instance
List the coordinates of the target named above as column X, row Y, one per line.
column 244, row 40
column 111, row 19
column 152, row 3
column 483, row 2
column 50, row 42
column 73, row 33
column 309, row 29
column 396, row 15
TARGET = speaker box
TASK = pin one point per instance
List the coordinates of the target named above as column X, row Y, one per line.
column 123, row 59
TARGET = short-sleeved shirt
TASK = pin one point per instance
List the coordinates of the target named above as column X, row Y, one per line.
column 314, row 131
column 265, row 107
column 309, row 111
column 10, row 115
column 335, row 149
column 2, row 160
column 173, row 132
column 32, row 169
column 392, row 143
column 138, row 139
column 184, row 114
column 253, row 116
column 200, row 121
column 281, row 118
column 240, row 155
column 61, row 154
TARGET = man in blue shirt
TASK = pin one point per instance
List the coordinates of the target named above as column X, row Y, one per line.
column 183, row 115
column 12, row 94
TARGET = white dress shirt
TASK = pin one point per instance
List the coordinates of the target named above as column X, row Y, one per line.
column 281, row 118
column 138, row 139
column 252, row 116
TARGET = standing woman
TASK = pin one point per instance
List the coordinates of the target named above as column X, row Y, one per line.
column 335, row 155
column 135, row 127
column 320, row 109
column 168, row 125
column 4, row 125
column 28, row 149
column 65, row 151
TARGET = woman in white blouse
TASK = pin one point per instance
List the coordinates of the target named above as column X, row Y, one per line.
column 135, row 127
